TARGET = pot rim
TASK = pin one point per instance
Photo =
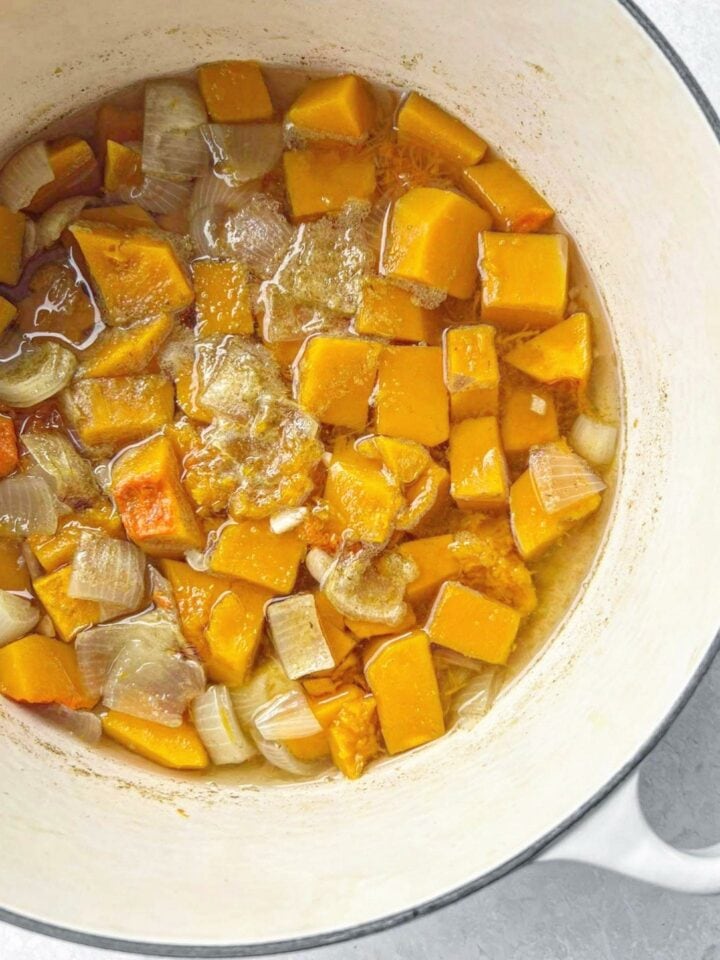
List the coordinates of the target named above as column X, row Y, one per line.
column 210, row 952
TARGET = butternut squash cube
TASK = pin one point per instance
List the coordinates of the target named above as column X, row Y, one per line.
column 122, row 351
column 249, row 550
column 179, row 748
column 13, row 570
column 514, row 204
column 332, row 623
column 354, row 736
column 123, row 167
column 126, row 216
column 534, row 529
column 154, row 507
column 68, row 614
column 76, row 172
column 471, row 371
column 334, row 108
column 363, row 501
column 12, row 235
column 334, row 379
column 234, row 91
column 478, row 472
column 435, row 562
column 135, row 272
column 472, row 624
column 387, row 310
column 8, row 312
column 426, row 498
column 114, row 411
column 524, row 279
column 195, row 594
column 528, row 418
column 404, row 459
column 115, row 122
column 322, row 181
column 401, row 675
column 412, row 400
column 562, row 353
column 234, row 633
column 424, row 122
column 59, row 549
column 39, row 669
column 222, row 298
column 8, row 447
column 433, row 240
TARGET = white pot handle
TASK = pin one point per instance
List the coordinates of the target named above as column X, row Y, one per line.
column 616, row 835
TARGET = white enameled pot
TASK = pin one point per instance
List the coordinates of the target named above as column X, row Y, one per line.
column 579, row 95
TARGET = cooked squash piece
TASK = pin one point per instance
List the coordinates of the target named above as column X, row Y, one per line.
column 422, row 121
column 562, row 353
column 387, row 310
column 534, row 529
column 222, row 298
column 366, row 629
column 514, row 205
column 249, row 550
column 412, row 400
column 433, row 240
column 524, row 279
column 13, row 570
column 8, row 312
column 334, row 108
column 472, row 624
column 123, row 167
column 234, row 91
column 39, row 669
column 136, row 273
column 179, row 748
column 426, row 498
column 8, row 446
column 76, row 172
column 528, row 418
column 404, row 459
column 471, row 371
column 322, row 181
column 112, row 411
column 354, row 736
column 118, row 123
column 58, row 549
column 126, row 216
column 333, row 625
column 478, row 472
column 362, row 500
column 234, row 633
column 122, row 351
column 401, row 675
column 68, row 614
column 435, row 562
column 12, row 234
column 334, row 379
column 195, row 594
column 154, row 507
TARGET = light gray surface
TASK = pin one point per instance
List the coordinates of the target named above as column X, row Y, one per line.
column 564, row 911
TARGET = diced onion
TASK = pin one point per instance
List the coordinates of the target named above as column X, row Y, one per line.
column 173, row 148
column 217, row 726
column 40, row 371
column 286, row 520
column 593, row 439
column 364, row 586
column 561, row 478
column 268, row 681
column 258, row 234
column 70, row 474
column 244, row 151
column 156, row 195
column 318, row 563
column 212, row 198
column 476, row 697
column 18, row 616
column 286, row 717
column 59, row 216
column 279, row 756
column 108, row 571
column 27, row 506
column 297, row 635
column 82, row 723
column 29, row 239
column 23, row 175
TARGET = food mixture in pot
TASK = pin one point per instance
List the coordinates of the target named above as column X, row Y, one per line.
column 293, row 397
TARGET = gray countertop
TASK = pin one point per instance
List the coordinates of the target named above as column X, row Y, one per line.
column 559, row 911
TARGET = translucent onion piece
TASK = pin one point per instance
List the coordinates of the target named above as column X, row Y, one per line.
column 364, row 586
column 43, row 369
column 52, row 223
column 297, row 635
column 268, row 681
column 82, row 723
column 279, row 756
column 476, row 697
column 212, row 198
column 217, row 726
column 244, row 151
column 108, row 571
column 318, row 563
column 18, row 616
column 70, row 474
column 258, row 234
column 593, row 440
column 561, row 477
column 287, row 717
column 29, row 239
column 34, row 567
column 172, row 107
column 286, row 520
column 23, row 175
column 27, row 506
column 156, row 196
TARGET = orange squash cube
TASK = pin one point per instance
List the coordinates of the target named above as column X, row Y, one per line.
column 514, row 205
column 195, row 594
column 412, row 400
column 322, row 181
column 332, row 622
column 433, row 240
column 249, row 550
column 353, row 736
column 478, row 472
column 388, row 311
column 234, row 633
column 76, row 172
column 404, row 459
column 222, row 298
column 12, row 235
column 401, row 675
column 334, row 379
column 524, row 279
column 362, row 500
column 528, row 418
column 179, row 748
column 562, row 353
column 39, row 669
column 123, row 167
column 113, row 411
column 471, row 371
column 234, row 91
column 123, row 351
column 68, row 614
column 472, row 624
column 8, row 447
column 424, row 122
column 435, row 562
column 334, row 108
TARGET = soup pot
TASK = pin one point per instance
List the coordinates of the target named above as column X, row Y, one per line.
column 585, row 103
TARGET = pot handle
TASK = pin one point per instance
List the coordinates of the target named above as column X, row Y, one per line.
column 615, row 835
